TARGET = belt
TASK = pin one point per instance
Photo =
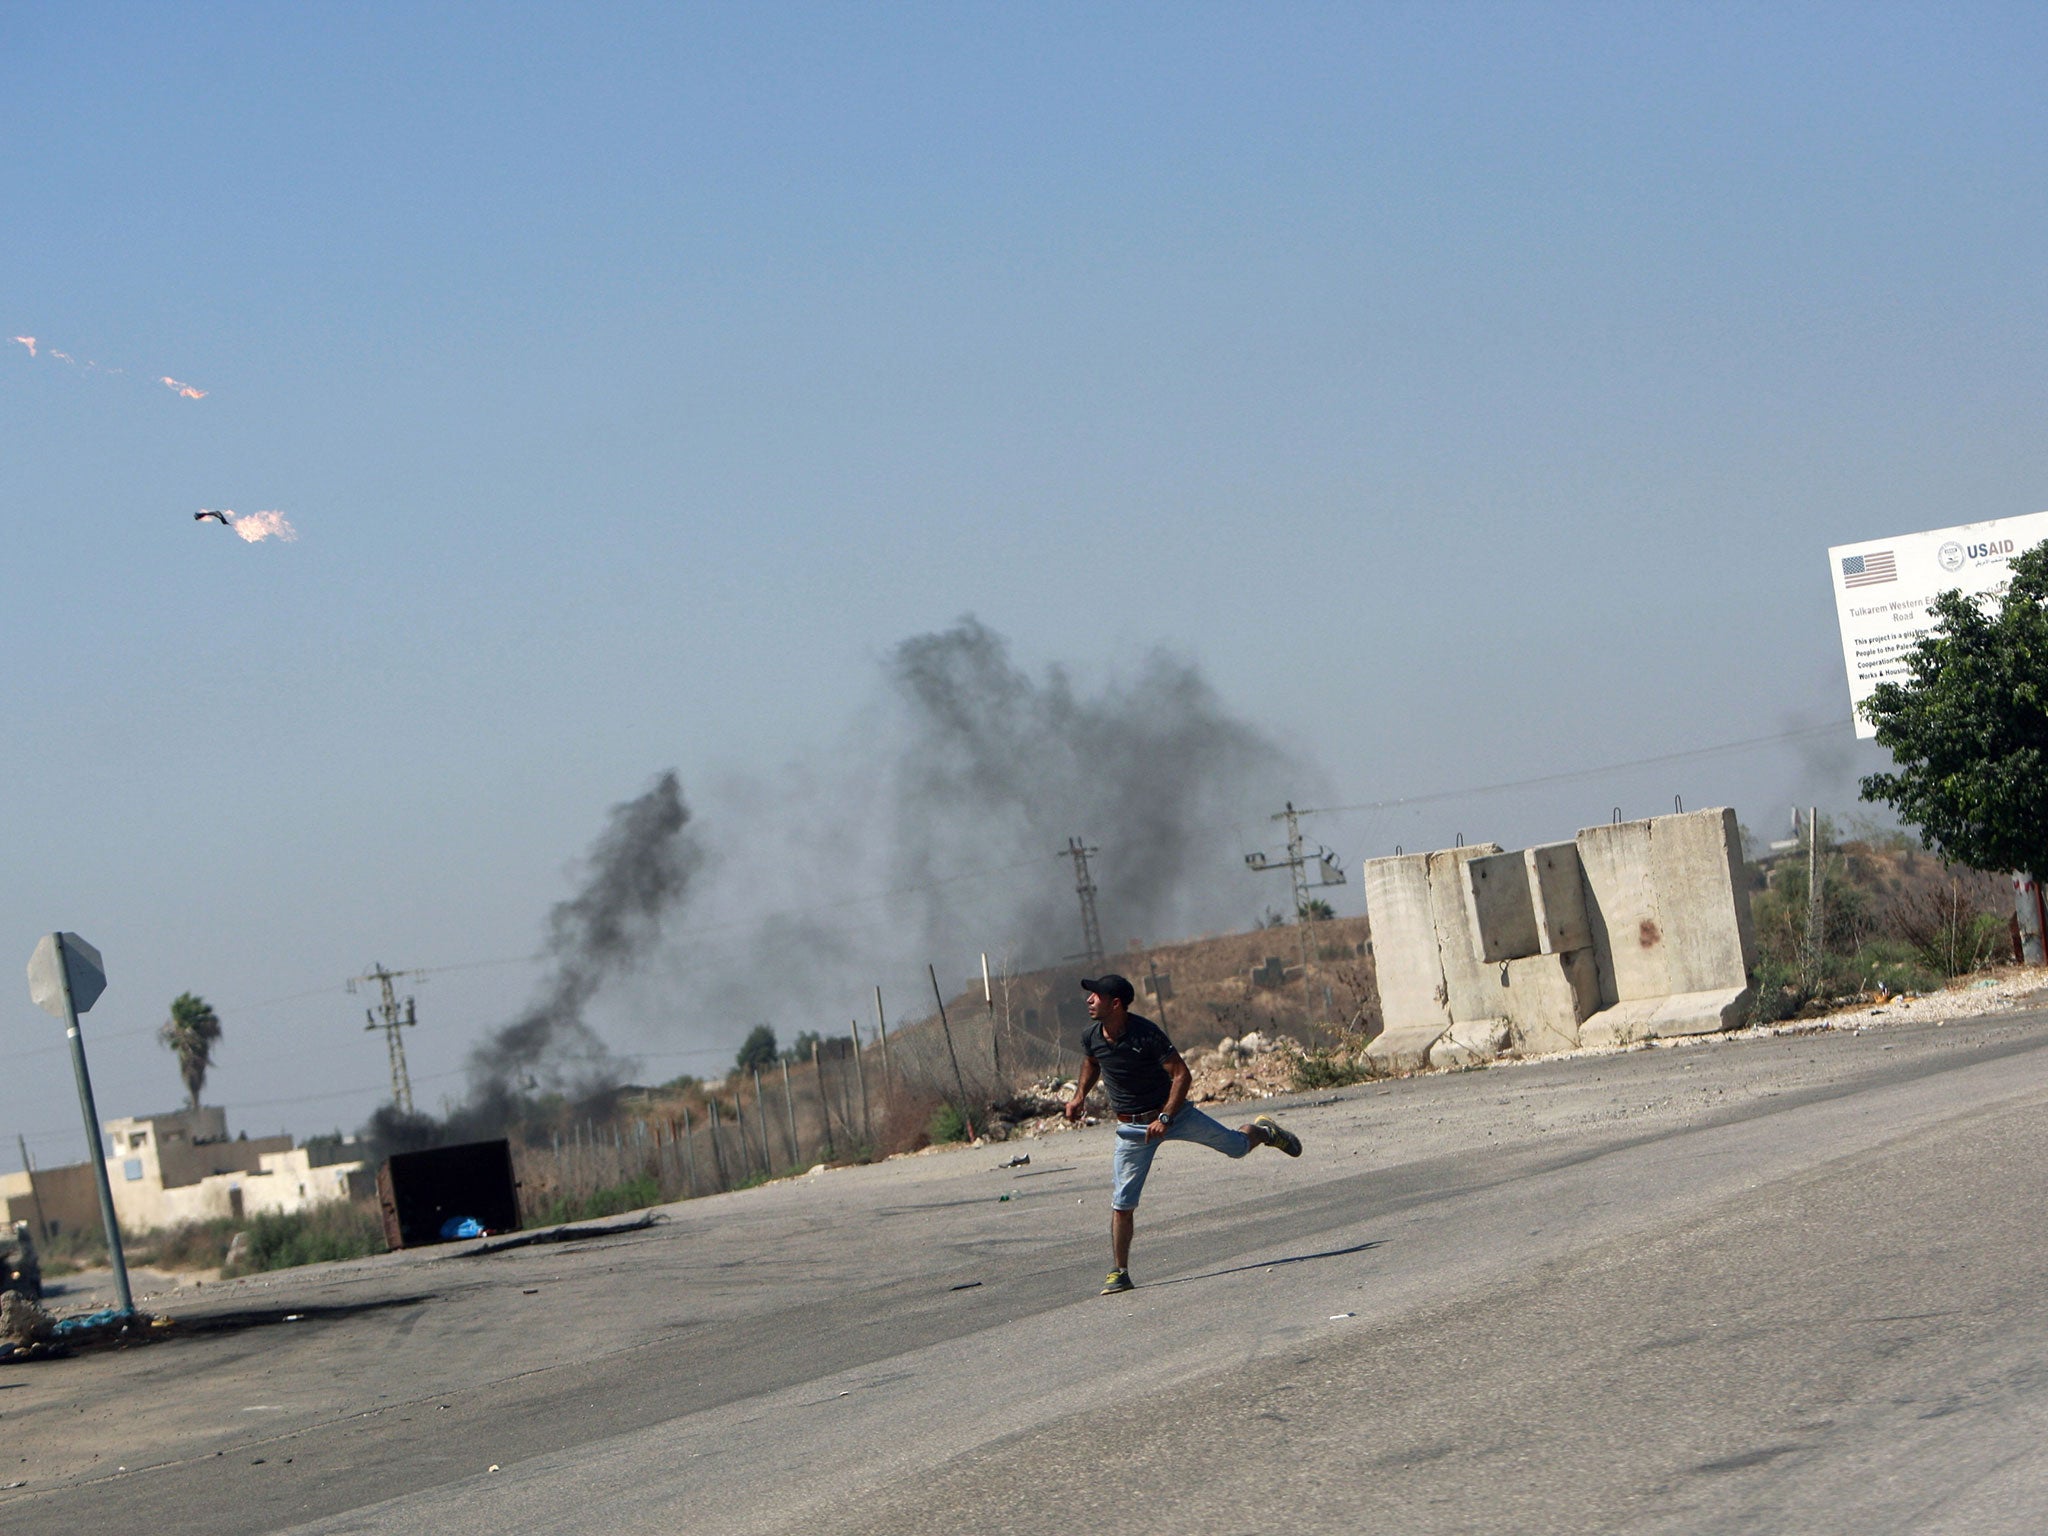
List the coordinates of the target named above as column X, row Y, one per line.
column 1145, row 1118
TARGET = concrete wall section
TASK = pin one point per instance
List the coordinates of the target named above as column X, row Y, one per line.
column 1671, row 926
column 1711, row 942
column 1557, row 897
column 1499, row 908
column 1683, row 1013
column 1413, row 1003
column 1621, row 906
column 1471, row 986
column 1548, row 998
column 1631, row 931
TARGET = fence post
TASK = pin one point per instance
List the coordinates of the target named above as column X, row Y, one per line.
column 717, row 1151
column 689, row 1157
column 824, row 1104
column 882, row 1028
column 796, row 1155
column 860, row 1072
column 740, row 1119
column 761, row 1114
column 966, row 1114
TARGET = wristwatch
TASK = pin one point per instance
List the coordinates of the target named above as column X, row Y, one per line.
column 1165, row 1118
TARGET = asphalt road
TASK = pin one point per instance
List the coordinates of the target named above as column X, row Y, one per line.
column 1773, row 1285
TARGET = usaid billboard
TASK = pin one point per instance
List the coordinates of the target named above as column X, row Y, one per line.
column 1884, row 587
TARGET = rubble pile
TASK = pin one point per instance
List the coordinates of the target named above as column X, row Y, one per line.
column 22, row 1321
column 28, row 1332
column 1254, row 1066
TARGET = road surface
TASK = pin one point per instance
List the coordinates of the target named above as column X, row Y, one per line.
column 1760, row 1285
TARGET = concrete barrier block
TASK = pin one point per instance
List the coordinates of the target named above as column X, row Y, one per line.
column 1621, row 908
column 1469, row 1045
column 1656, row 1018
column 1696, row 862
column 1471, row 986
column 1548, row 997
column 1414, row 1003
column 1498, row 907
column 1557, row 897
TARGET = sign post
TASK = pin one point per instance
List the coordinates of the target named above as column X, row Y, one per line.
column 65, row 978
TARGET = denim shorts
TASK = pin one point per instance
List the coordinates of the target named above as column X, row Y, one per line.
column 1135, row 1150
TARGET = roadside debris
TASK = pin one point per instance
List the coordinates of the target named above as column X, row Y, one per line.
column 28, row 1332
column 1021, row 1160
column 22, row 1321
column 559, row 1235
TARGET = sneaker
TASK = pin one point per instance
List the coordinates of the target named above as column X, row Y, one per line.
column 1282, row 1138
column 1116, row 1280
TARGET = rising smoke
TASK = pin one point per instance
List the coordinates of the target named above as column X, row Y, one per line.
column 1153, row 770
column 638, row 873
column 933, row 830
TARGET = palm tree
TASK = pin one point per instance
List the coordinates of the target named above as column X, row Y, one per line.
column 190, row 1034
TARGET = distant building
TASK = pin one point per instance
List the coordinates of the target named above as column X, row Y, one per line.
column 170, row 1169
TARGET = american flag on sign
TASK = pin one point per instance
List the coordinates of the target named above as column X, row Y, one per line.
column 1869, row 570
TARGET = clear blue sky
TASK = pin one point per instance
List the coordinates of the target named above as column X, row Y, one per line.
column 1471, row 392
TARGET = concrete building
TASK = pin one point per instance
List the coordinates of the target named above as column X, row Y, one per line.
column 1629, row 932
column 179, row 1167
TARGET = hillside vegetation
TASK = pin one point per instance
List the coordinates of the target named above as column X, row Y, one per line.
column 1892, row 918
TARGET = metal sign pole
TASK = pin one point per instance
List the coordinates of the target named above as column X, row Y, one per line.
column 92, row 1129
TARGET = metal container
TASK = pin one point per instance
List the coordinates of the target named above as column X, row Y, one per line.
column 421, row 1192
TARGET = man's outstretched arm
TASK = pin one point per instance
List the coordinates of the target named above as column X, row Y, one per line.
column 1180, row 1079
column 1078, row 1104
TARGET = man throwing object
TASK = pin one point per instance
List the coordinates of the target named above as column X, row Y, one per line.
column 1148, row 1090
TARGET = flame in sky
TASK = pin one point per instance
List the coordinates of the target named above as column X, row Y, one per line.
column 185, row 391
column 258, row 526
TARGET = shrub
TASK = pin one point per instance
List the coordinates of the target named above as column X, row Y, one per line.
column 1332, row 1069
column 345, row 1229
column 946, row 1124
column 614, row 1199
column 1894, row 966
column 1947, row 931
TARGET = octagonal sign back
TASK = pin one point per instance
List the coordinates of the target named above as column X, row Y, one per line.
column 88, row 973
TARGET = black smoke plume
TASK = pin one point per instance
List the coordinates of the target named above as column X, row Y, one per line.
column 638, row 872
column 933, row 829
column 1153, row 770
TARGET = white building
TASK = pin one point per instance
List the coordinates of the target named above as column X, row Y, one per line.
column 181, row 1167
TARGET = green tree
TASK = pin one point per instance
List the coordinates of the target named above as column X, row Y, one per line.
column 757, row 1050
column 1968, row 728
column 190, row 1034
column 1316, row 910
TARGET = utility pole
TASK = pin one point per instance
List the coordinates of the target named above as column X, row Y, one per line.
column 394, row 1021
column 1329, row 871
column 1084, row 887
column 35, row 1200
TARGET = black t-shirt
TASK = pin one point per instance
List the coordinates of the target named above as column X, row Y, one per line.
column 1130, row 1064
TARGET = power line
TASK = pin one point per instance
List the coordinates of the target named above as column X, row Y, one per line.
column 1577, row 774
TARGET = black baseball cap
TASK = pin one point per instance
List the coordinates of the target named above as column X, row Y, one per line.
column 1110, row 985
